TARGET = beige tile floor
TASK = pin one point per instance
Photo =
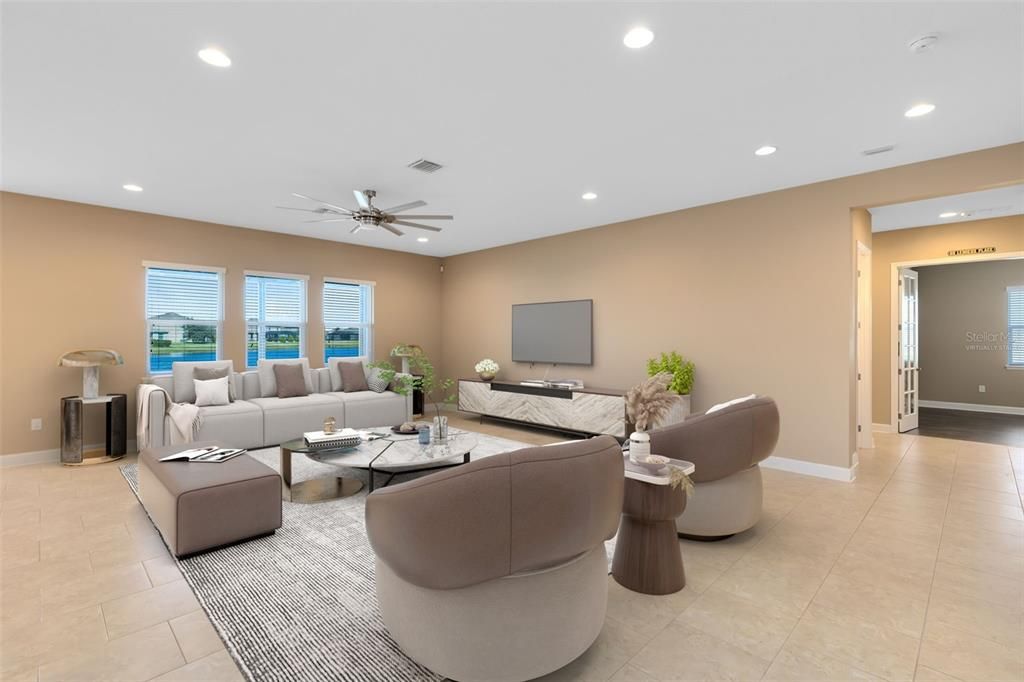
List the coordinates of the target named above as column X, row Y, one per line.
column 915, row 571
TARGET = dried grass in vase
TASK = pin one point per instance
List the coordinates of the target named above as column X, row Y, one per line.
column 650, row 402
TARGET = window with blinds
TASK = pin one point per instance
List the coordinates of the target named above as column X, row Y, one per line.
column 275, row 317
column 348, row 319
column 1015, row 326
column 184, row 316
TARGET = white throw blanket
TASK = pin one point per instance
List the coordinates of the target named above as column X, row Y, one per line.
column 185, row 418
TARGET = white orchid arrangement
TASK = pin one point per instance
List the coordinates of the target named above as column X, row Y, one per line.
column 487, row 366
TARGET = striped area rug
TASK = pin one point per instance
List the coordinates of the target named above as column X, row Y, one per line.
column 300, row 604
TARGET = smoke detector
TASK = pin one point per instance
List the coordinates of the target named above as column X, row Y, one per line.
column 925, row 42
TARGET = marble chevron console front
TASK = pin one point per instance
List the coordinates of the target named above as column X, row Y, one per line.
column 582, row 411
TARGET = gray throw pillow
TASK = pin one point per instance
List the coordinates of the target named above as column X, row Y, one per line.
column 376, row 382
column 291, row 380
column 207, row 373
column 353, row 378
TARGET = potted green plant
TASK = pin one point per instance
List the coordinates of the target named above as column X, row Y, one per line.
column 681, row 371
column 436, row 390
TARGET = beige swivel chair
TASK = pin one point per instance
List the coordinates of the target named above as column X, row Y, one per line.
column 726, row 446
column 496, row 569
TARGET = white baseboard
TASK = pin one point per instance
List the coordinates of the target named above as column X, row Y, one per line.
column 799, row 466
column 971, row 407
column 45, row 456
column 883, row 428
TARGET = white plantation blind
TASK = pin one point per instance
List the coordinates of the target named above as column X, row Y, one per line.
column 182, row 294
column 348, row 319
column 275, row 313
column 184, row 315
column 275, row 299
column 1015, row 324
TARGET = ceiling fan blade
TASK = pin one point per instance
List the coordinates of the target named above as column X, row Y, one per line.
column 320, row 201
column 328, row 220
column 417, row 225
column 404, row 207
column 427, row 217
column 361, row 198
column 393, row 230
column 296, row 208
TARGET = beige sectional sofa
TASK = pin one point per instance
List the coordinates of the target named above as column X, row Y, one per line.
column 256, row 419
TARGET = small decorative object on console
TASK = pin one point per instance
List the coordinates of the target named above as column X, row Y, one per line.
column 330, row 425
column 487, row 369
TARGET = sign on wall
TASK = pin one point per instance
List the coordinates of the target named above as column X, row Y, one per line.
column 971, row 252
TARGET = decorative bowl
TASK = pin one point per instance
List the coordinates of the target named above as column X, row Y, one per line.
column 486, row 376
column 653, row 463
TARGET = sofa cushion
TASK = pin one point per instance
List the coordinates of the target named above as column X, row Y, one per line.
column 238, row 424
column 364, row 409
column 268, row 382
column 288, row 418
column 183, row 373
column 291, row 380
column 207, row 373
column 334, row 366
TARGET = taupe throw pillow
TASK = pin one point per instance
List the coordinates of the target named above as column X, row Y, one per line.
column 207, row 373
column 353, row 378
column 291, row 380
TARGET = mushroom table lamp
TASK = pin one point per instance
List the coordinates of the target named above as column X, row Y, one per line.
column 90, row 361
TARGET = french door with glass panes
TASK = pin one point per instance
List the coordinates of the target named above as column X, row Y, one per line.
column 907, row 352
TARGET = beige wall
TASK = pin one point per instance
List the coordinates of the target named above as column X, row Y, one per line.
column 920, row 244
column 961, row 299
column 72, row 277
column 758, row 292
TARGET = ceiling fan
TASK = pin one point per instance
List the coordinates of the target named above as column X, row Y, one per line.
column 368, row 216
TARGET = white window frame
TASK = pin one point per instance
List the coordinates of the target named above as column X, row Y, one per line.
column 219, row 323
column 1010, row 364
column 366, row 327
column 262, row 324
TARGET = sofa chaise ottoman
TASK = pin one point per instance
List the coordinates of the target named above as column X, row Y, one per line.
column 197, row 506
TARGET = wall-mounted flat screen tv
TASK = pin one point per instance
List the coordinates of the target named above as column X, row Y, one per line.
column 560, row 333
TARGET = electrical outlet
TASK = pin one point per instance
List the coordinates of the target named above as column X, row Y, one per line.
column 981, row 388
column 37, row 424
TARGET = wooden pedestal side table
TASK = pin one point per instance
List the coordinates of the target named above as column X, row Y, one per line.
column 72, row 429
column 647, row 555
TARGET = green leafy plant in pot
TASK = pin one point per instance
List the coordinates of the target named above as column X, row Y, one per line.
column 680, row 373
column 436, row 389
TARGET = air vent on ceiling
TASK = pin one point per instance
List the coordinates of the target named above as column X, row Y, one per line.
column 425, row 166
column 879, row 150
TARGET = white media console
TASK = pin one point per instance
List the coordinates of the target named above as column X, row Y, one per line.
column 581, row 410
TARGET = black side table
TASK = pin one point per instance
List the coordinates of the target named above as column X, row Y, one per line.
column 72, row 437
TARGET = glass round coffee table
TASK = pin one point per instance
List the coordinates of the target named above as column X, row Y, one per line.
column 392, row 455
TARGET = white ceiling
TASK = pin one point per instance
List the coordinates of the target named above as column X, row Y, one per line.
column 989, row 203
column 527, row 105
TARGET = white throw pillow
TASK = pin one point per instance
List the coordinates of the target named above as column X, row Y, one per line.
column 730, row 403
column 212, row 391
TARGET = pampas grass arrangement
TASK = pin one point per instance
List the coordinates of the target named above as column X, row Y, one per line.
column 651, row 401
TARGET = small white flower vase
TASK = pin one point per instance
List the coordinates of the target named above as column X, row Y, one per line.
column 639, row 445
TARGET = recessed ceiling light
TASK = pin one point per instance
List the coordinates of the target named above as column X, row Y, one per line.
column 949, row 214
column 638, row 37
column 422, row 239
column 214, row 57
column 132, row 188
column 765, row 150
column 589, row 196
column 919, row 110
